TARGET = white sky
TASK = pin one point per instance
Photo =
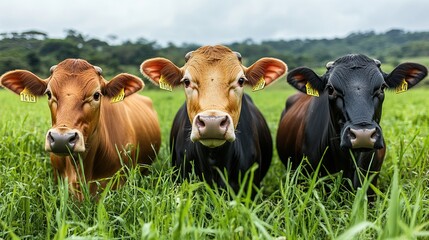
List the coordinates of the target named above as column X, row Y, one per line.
column 213, row 22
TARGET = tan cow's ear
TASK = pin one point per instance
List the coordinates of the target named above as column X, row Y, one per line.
column 19, row 80
column 265, row 71
column 162, row 72
column 125, row 82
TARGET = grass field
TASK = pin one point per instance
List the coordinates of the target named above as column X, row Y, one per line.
column 155, row 206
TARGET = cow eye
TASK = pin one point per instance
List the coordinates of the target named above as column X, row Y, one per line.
column 380, row 92
column 330, row 89
column 241, row 81
column 49, row 94
column 96, row 96
column 186, row 82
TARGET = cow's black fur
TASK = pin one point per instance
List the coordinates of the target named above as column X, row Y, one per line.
column 253, row 144
column 351, row 94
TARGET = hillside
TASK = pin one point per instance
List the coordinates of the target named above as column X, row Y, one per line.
column 36, row 51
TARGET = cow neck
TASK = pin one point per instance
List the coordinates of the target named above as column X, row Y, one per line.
column 100, row 138
column 217, row 156
column 319, row 130
column 70, row 167
column 229, row 154
column 74, row 163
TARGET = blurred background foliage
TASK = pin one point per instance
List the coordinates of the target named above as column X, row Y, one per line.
column 37, row 52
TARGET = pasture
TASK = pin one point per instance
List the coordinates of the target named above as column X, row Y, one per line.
column 156, row 206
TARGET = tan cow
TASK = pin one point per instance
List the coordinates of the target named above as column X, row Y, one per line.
column 87, row 125
column 218, row 127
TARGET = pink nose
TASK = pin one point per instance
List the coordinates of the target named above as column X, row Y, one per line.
column 363, row 138
column 212, row 127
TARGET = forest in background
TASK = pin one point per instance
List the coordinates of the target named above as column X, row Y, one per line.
column 37, row 52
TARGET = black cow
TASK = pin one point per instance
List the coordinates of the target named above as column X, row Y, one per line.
column 218, row 128
column 253, row 144
column 340, row 113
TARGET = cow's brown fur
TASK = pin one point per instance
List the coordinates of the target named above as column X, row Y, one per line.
column 213, row 69
column 291, row 127
column 129, row 128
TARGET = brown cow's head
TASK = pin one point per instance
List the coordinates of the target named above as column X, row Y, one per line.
column 75, row 92
column 213, row 78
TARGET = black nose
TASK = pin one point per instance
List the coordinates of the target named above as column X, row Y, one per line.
column 62, row 143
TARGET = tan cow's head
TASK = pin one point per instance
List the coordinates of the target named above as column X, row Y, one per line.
column 213, row 78
column 75, row 92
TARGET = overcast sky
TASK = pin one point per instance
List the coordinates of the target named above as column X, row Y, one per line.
column 213, row 22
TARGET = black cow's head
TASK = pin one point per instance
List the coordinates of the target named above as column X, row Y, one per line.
column 354, row 85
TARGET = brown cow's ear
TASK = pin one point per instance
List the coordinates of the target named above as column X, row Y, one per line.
column 406, row 75
column 19, row 80
column 306, row 80
column 162, row 72
column 129, row 83
column 265, row 71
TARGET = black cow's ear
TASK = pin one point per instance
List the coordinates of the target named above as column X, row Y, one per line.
column 406, row 75
column 306, row 80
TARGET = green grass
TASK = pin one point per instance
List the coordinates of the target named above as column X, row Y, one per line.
column 156, row 206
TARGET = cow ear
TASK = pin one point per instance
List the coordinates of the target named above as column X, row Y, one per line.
column 124, row 83
column 264, row 72
column 19, row 80
column 306, row 80
column 409, row 74
column 162, row 72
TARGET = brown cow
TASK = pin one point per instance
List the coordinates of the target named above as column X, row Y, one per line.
column 218, row 127
column 86, row 125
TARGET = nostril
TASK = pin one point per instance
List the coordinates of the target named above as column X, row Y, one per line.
column 224, row 123
column 50, row 138
column 351, row 134
column 74, row 138
column 200, row 123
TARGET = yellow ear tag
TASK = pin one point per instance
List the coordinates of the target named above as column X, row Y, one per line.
column 259, row 85
column 403, row 87
column 164, row 85
column 119, row 97
column 311, row 91
column 27, row 96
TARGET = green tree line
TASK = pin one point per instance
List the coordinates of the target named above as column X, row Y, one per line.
column 37, row 52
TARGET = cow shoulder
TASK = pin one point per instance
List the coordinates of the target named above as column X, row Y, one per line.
column 317, row 124
column 252, row 115
column 291, row 129
column 179, row 136
column 254, row 135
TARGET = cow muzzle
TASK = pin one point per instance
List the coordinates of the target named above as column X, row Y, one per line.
column 212, row 128
column 63, row 141
column 366, row 136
